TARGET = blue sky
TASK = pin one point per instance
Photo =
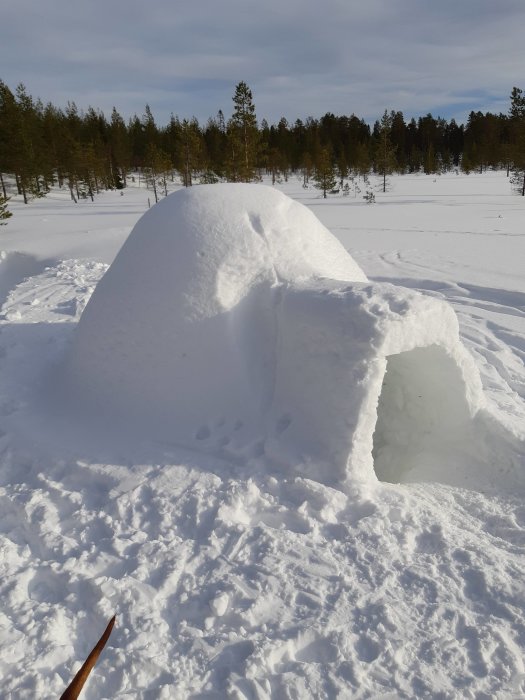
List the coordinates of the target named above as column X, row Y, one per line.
column 299, row 57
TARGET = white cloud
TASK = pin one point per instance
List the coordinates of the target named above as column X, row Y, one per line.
column 300, row 57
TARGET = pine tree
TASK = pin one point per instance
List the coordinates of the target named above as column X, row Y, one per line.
column 243, row 136
column 398, row 137
column 4, row 211
column 342, row 169
column 430, row 164
column 362, row 160
column 517, row 124
column 324, row 176
column 120, row 150
column 215, row 141
column 8, row 127
column 157, row 170
column 273, row 162
column 307, row 169
column 385, row 152
column 51, row 120
column 26, row 145
column 190, row 150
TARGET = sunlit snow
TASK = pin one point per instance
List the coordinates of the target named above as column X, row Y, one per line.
column 286, row 478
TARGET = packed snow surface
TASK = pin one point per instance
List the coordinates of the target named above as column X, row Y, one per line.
column 262, row 569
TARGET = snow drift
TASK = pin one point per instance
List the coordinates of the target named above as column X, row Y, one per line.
column 232, row 321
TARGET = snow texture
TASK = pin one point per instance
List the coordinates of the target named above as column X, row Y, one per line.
column 238, row 577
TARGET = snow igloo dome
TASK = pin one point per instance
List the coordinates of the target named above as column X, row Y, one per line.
column 233, row 322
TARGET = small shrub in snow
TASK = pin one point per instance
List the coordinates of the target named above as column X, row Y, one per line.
column 209, row 178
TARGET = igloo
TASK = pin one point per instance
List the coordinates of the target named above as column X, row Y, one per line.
column 233, row 322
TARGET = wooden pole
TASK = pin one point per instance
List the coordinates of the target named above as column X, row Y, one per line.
column 73, row 690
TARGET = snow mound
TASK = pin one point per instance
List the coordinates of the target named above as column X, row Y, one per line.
column 233, row 322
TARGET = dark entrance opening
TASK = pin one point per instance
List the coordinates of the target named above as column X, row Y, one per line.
column 423, row 418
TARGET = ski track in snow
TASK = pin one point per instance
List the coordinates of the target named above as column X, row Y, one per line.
column 228, row 582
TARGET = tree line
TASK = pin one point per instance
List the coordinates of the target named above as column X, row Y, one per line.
column 43, row 145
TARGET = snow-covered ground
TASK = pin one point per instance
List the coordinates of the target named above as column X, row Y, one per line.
column 233, row 579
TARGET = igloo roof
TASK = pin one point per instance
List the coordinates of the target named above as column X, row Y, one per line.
column 205, row 247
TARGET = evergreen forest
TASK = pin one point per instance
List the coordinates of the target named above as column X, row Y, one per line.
column 42, row 145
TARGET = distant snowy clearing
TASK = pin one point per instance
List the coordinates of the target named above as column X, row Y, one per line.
column 248, row 549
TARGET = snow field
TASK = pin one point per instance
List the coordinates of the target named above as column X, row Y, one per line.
column 230, row 581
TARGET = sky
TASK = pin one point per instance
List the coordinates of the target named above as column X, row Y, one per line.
column 299, row 57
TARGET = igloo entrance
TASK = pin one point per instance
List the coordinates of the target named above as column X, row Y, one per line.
column 423, row 417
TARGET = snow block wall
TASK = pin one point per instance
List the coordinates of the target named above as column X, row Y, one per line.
column 371, row 376
column 233, row 322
